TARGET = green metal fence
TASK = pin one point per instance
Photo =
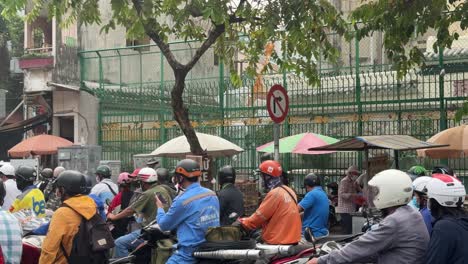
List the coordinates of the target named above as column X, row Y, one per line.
column 357, row 98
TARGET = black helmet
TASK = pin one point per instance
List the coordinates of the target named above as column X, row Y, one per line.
column 89, row 185
column 267, row 156
column 47, row 173
column 226, row 174
column 26, row 174
column 163, row 175
column 443, row 170
column 312, row 180
column 74, row 182
column 188, row 168
column 104, row 171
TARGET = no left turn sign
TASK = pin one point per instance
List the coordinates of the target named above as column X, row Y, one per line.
column 277, row 103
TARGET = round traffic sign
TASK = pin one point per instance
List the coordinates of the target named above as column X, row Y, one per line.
column 277, row 103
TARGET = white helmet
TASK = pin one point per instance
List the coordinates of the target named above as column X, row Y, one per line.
column 391, row 188
column 148, row 175
column 7, row 169
column 447, row 190
column 419, row 184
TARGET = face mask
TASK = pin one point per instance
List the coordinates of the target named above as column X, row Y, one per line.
column 415, row 203
column 98, row 179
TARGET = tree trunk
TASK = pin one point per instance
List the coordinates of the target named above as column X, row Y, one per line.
column 181, row 113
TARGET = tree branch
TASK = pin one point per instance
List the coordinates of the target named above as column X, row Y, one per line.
column 154, row 34
column 213, row 35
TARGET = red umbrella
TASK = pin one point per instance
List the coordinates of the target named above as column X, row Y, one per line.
column 38, row 145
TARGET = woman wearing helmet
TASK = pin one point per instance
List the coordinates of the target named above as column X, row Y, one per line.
column 191, row 214
column 122, row 200
column 400, row 238
column 450, row 229
column 420, row 200
column 279, row 204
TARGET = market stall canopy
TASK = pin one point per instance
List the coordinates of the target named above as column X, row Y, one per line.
column 300, row 144
column 38, row 145
column 455, row 138
column 395, row 142
column 213, row 145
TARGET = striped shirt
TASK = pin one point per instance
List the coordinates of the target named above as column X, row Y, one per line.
column 10, row 237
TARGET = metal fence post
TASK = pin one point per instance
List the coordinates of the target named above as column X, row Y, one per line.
column 287, row 132
column 162, row 118
column 443, row 113
column 358, row 95
column 221, row 89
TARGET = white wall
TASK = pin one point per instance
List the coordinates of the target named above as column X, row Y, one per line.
column 36, row 80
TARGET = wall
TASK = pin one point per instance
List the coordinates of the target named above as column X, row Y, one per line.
column 36, row 80
column 84, row 108
column 132, row 69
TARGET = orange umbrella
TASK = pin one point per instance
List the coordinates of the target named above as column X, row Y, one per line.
column 38, row 145
column 456, row 137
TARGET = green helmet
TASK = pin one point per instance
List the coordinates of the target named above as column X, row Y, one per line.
column 104, row 171
column 416, row 171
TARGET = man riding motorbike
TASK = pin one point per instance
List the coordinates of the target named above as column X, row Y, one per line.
column 191, row 214
column 105, row 188
column 401, row 237
column 143, row 205
column 45, row 177
column 231, row 200
column 448, row 239
column 315, row 206
column 52, row 201
column 278, row 214
column 7, row 175
column 31, row 197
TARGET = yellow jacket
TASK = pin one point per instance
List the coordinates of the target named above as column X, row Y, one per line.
column 32, row 199
column 63, row 227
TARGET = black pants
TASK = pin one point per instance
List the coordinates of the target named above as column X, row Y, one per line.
column 346, row 223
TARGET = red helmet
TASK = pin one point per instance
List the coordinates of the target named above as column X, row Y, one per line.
column 135, row 173
column 272, row 168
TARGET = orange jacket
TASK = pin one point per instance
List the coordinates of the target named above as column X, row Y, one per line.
column 63, row 228
column 278, row 216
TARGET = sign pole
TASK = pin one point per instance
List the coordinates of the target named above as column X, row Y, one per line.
column 278, row 107
column 276, row 132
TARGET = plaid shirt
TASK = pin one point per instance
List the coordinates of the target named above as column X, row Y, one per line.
column 345, row 199
column 10, row 237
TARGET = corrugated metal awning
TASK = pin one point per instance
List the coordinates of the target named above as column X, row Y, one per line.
column 395, row 142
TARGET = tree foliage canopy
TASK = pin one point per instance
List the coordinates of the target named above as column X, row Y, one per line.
column 404, row 20
column 231, row 25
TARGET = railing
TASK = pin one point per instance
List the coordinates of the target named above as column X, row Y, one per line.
column 42, row 51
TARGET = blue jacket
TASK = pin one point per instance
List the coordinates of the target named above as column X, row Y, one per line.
column 427, row 217
column 448, row 241
column 191, row 214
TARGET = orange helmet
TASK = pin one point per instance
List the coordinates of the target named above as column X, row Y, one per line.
column 271, row 167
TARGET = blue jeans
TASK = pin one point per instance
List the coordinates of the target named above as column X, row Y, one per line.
column 126, row 244
column 182, row 255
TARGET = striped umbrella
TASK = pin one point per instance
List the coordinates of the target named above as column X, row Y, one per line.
column 300, row 144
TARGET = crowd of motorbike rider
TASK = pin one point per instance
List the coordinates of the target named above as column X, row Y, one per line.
column 423, row 216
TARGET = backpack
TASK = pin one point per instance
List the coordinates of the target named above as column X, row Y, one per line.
column 91, row 243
